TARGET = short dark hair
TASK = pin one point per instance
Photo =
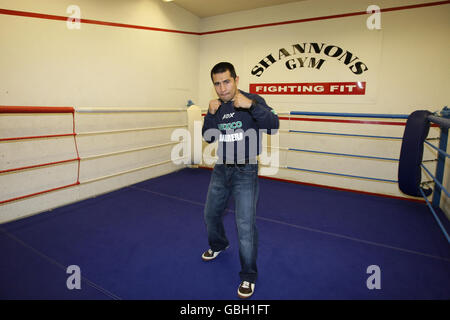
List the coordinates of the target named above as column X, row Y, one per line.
column 223, row 67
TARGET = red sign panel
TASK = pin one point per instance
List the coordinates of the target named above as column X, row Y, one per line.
column 318, row 88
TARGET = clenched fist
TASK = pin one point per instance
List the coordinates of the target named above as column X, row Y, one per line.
column 214, row 105
column 241, row 101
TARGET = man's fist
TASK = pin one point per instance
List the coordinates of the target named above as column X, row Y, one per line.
column 214, row 105
column 241, row 101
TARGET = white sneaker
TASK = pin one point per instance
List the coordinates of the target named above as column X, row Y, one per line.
column 246, row 289
column 209, row 254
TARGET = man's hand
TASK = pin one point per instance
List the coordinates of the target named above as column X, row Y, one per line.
column 214, row 105
column 241, row 101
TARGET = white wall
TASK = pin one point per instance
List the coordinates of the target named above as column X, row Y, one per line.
column 48, row 64
column 413, row 59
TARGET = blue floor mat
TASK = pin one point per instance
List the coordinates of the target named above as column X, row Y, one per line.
column 145, row 242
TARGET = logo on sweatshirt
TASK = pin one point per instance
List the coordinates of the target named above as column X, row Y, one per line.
column 230, row 125
column 228, row 115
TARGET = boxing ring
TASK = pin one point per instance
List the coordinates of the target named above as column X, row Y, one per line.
column 144, row 241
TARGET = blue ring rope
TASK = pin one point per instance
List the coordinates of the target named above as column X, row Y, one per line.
column 357, row 115
column 436, row 181
column 346, row 134
column 435, row 215
column 344, row 154
column 439, row 150
column 343, row 175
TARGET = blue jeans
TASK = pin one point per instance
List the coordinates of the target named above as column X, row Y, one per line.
column 241, row 181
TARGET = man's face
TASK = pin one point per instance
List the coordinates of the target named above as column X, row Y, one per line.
column 225, row 85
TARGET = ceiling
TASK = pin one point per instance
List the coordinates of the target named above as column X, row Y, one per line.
column 208, row 8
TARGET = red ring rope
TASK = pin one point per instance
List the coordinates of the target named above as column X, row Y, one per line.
column 19, row 110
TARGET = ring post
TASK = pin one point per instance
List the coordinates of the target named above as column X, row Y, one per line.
column 445, row 113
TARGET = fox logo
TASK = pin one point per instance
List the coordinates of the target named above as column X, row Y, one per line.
column 228, row 115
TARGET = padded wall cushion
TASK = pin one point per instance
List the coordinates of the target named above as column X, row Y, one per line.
column 409, row 170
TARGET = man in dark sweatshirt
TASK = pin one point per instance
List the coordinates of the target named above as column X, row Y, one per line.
column 237, row 120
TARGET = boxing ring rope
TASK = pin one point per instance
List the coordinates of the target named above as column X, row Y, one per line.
column 72, row 110
column 128, row 130
column 349, row 115
column 41, row 110
column 342, row 134
column 352, row 121
column 18, row 109
column 341, row 154
column 127, row 171
column 438, row 121
column 435, row 180
column 437, row 149
column 119, row 110
column 124, row 110
column 128, row 150
column 342, row 175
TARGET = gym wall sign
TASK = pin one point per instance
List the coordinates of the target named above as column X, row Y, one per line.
column 312, row 55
